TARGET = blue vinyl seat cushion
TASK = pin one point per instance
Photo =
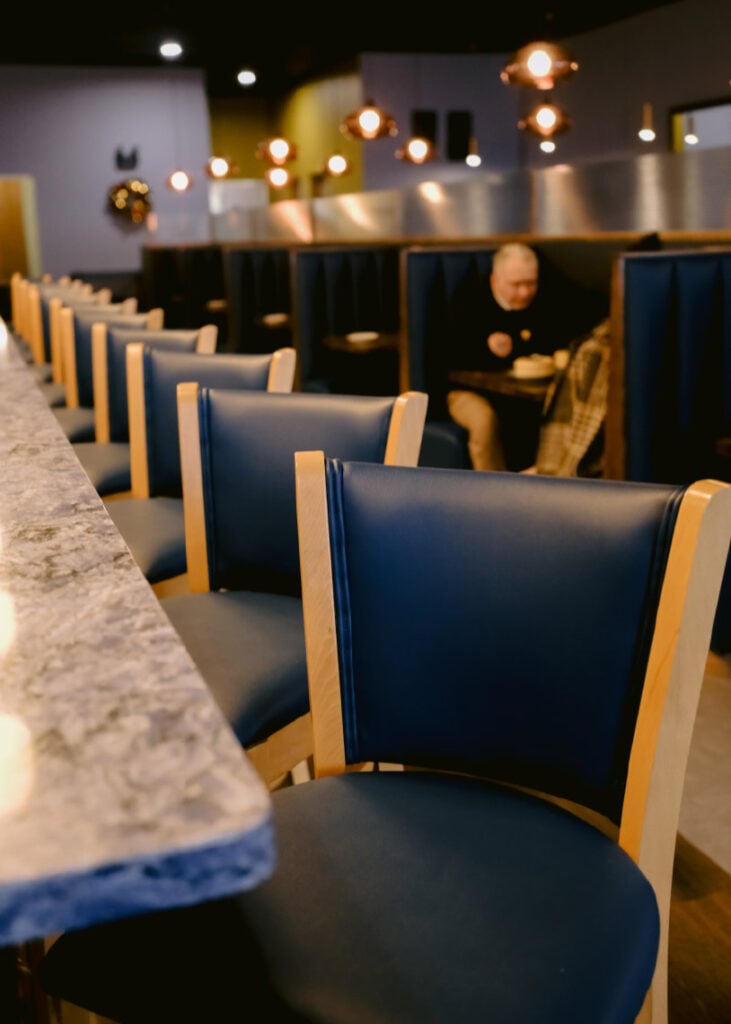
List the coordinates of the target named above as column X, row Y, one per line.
column 53, row 392
column 554, row 914
column 77, row 424
column 250, row 648
column 106, row 465
column 154, row 530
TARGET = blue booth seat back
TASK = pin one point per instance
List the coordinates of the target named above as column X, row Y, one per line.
column 163, row 371
column 443, row 294
column 117, row 341
column 338, row 291
column 677, row 376
column 83, row 322
column 519, row 648
column 257, row 282
column 677, row 363
column 248, row 447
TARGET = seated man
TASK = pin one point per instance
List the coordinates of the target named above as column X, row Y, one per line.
column 516, row 318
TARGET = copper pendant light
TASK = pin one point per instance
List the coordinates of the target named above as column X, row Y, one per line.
column 539, row 65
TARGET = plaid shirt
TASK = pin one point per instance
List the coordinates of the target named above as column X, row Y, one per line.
column 574, row 409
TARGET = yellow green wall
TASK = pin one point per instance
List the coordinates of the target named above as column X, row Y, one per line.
column 309, row 117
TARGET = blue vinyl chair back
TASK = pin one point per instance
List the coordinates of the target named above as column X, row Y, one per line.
column 257, row 282
column 478, row 593
column 338, row 291
column 163, row 371
column 83, row 322
column 118, row 339
column 248, row 446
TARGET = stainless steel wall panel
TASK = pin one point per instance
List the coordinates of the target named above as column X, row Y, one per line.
column 358, row 216
column 483, row 205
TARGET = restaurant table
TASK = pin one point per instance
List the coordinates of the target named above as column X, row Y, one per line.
column 502, row 382
column 518, row 402
column 122, row 787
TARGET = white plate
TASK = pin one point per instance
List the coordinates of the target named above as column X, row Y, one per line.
column 361, row 336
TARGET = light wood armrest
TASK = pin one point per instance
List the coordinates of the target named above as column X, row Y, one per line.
column 54, row 332
column 196, row 549
column 281, row 370
column 207, row 339
column 155, row 318
column 68, row 355
column 100, row 382
column 406, row 429
column 319, row 614
column 139, row 472
column 671, row 691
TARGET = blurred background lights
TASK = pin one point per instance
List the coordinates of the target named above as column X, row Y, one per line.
column 337, row 165
column 218, row 167
column 548, row 146
column 246, row 77
column 277, row 177
column 539, row 63
column 179, row 181
column 170, row 49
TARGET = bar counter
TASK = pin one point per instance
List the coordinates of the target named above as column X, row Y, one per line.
column 122, row 787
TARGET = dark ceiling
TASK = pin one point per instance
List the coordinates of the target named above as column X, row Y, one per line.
column 286, row 45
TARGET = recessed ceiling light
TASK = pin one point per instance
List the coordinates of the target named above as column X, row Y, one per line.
column 246, row 77
column 170, row 49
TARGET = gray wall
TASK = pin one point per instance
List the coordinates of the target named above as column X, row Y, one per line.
column 62, row 126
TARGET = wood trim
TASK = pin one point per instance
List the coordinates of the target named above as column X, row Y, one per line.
column 281, row 751
column 139, row 472
column 100, row 382
column 68, row 356
column 323, row 672
column 54, row 334
column 207, row 339
column 281, row 370
column 15, row 301
column 171, row 586
column 35, row 324
column 196, row 548
column 671, row 691
column 103, row 296
column 129, row 306
column 155, row 319
column 406, row 429
column 615, row 434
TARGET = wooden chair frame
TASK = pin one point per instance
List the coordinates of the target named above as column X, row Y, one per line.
column 670, row 695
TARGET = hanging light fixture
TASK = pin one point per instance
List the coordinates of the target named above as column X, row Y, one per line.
column 690, row 138
column 647, row 132
column 218, row 167
column 369, row 122
column 416, row 151
column 545, row 120
column 277, row 151
column 179, row 181
column 336, row 165
column 473, row 158
column 277, row 177
column 540, row 65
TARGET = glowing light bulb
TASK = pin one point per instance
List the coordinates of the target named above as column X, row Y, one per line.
column 646, row 134
column 179, row 181
column 277, row 177
column 418, row 150
column 337, row 165
column 546, row 118
column 548, row 146
column 170, row 49
column 218, row 167
column 279, row 150
column 473, row 159
column 246, row 77
column 369, row 121
column 539, row 63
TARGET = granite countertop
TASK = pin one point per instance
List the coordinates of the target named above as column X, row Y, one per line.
column 122, row 787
